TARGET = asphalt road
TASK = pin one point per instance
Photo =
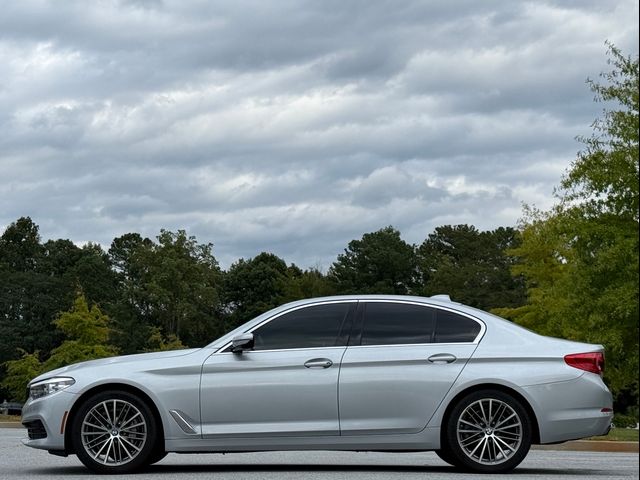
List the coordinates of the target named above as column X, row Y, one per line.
column 18, row 462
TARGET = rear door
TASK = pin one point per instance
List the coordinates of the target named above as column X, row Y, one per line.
column 402, row 359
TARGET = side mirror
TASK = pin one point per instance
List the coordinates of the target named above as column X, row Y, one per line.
column 242, row 342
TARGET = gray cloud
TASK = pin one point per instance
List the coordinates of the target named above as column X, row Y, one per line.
column 292, row 127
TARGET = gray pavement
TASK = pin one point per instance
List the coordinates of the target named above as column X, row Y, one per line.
column 19, row 462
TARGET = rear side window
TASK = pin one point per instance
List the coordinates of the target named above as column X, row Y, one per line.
column 397, row 323
column 454, row 328
column 315, row 326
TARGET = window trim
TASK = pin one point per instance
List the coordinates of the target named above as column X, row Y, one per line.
column 221, row 350
column 361, row 308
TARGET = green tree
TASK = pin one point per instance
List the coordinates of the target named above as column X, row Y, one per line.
column 19, row 373
column 253, row 286
column 86, row 332
column 380, row 262
column 157, row 342
column 179, row 287
column 30, row 295
column 308, row 283
column 581, row 258
column 131, row 310
column 471, row 266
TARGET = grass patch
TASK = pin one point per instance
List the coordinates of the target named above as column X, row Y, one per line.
column 9, row 418
column 619, row 435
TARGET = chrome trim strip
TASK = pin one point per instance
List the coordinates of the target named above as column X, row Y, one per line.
column 481, row 333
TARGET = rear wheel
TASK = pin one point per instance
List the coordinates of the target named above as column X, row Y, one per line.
column 114, row 432
column 488, row 431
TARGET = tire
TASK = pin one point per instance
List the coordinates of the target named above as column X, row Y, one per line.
column 445, row 455
column 156, row 456
column 114, row 432
column 471, row 438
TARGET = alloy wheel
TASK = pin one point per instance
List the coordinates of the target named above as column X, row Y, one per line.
column 114, row 432
column 489, row 431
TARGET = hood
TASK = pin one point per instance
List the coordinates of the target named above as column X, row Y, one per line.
column 123, row 359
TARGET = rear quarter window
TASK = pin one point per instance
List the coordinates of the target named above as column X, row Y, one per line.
column 454, row 328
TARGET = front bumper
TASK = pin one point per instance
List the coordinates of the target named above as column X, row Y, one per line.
column 51, row 411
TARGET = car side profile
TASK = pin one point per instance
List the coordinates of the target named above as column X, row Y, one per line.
column 360, row 373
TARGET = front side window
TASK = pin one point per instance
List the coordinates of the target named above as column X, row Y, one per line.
column 308, row 327
column 397, row 323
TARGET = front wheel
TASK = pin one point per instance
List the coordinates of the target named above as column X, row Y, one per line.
column 488, row 431
column 114, row 432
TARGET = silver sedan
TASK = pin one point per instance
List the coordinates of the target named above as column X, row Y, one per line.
column 378, row 373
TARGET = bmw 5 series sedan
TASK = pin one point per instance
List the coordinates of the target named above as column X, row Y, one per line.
column 376, row 373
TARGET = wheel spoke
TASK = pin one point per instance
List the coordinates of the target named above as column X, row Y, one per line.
column 131, row 427
column 130, row 419
column 100, row 418
column 484, row 416
column 126, row 450
column 508, row 427
column 504, row 455
column 477, row 427
column 106, row 410
column 97, row 441
column 508, row 418
column 106, row 455
column 95, row 426
column 131, row 444
column 123, row 413
column 505, row 444
column 95, row 456
column 471, row 439
column 475, row 416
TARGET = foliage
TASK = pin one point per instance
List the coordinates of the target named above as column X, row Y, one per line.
column 380, row 262
column 180, row 285
column 471, row 266
column 159, row 343
column 254, row 286
column 86, row 331
column 625, row 421
column 307, row 284
column 173, row 284
column 19, row 372
column 580, row 259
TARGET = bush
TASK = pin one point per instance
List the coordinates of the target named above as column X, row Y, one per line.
column 625, row 421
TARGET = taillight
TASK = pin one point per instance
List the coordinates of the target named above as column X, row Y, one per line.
column 591, row 362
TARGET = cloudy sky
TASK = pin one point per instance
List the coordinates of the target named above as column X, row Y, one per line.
column 293, row 126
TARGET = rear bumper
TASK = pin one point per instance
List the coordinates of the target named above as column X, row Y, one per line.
column 573, row 409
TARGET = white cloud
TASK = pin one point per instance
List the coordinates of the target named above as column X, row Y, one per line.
column 293, row 127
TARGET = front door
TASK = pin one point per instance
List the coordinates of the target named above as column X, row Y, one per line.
column 286, row 385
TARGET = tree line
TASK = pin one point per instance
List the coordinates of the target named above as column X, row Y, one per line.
column 171, row 292
column 569, row 272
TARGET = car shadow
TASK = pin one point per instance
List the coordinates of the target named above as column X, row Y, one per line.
column 173, row 469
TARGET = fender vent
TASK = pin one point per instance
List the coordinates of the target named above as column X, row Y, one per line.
column 179, row 417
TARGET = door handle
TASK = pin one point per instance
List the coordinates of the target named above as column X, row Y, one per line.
column 442, row 358
column 318, row 363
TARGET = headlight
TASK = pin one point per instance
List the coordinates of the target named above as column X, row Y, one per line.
column 48, row 386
